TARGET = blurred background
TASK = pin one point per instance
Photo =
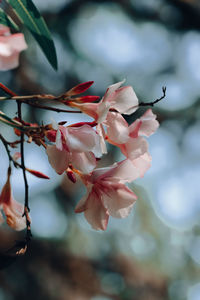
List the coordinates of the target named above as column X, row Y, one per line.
column 154, row 254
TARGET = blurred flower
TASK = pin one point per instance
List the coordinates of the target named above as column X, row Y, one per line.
column 10, row 47
column 12, row 209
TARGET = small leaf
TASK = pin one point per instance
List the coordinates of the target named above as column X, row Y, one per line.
column 31, row 18
column 7, row 21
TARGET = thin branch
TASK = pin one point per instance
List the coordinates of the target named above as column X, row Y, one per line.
column 5, row 143
column 52, row 108
column 26, row 204
column 155, row 101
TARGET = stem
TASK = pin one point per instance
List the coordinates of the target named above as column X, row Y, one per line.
column 155, row 101
column 26, row 204
column 7, row 149
column 53, row 108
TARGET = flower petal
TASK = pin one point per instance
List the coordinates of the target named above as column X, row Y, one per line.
column 117, row 128
column 123, row 171
column 142, row 163
column 83, row 161
column 95, row 213
column 14, row 218
column 119, row 200
column 82, row 139
column 125, row 100
column 134, row 147
column 149, row 123
column 81, row 205
column 59, row 160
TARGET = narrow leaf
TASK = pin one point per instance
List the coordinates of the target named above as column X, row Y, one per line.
column 7, row 21
column 31, row 18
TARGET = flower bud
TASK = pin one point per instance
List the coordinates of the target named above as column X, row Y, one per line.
column 80, row 88
column 71, row 175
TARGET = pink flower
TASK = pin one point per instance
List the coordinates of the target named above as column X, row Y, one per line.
column 130, row 138
column 10, row 47
column 12, row 209
column 78, row 146
column 107, row 195
column 123, row 100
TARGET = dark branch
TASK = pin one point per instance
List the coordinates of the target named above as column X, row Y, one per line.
column 155, row 101
column 26, row 204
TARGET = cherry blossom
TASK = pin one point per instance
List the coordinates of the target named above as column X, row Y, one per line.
column 107, row 195
column 78, row 146
column 12, row 209
column 10, row 47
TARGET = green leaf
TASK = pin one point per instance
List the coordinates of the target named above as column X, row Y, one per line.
column 7, row 21
column 31, row 18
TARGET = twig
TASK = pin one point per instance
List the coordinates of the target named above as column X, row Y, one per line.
column 52, row 108
column 7, row 148
column 26, row 204
column 155, row 101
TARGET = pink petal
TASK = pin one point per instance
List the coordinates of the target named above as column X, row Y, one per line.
column 142, row 163
column 134, row 128
column 134, row 148
column 82, row 138
column 149, row 123
column 14, row 218
column 10, row 47
column 59, row 144
column 95, row 213
column 13, row 213
column 87, row 108
column 81, row 206
column 111, row 89
column 119, row 200
column 83, row 161
column 125, row 100
column 59, row 160
column 101, row 133
column 123, row 171
column 117, row 128
column 8, row 63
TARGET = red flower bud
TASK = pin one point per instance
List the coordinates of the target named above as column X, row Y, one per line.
column 89, row 98
column 71, row 175
column 80, row 88
column 51, row 135
column 37, row 174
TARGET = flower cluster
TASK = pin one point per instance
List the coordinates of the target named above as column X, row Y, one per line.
column 76, row 149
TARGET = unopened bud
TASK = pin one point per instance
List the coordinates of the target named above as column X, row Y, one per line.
column 80, row 88
column 51, row 135
column 71, row 175
column 37, row 174
column 86, row 99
